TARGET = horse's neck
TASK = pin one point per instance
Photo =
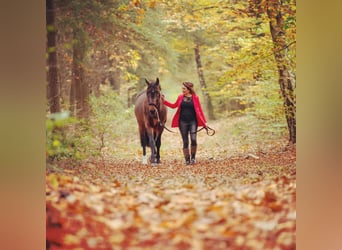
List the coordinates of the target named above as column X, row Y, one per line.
column 141, row 92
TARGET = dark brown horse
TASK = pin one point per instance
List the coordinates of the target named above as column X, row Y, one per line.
column 151, row 115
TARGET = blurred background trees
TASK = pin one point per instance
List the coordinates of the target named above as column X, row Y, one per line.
column 241, row 55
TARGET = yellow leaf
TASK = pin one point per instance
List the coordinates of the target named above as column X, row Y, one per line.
column 56, row 143
column 70, row 239
column 118, row 237
column 52, row 178
column 152, row 4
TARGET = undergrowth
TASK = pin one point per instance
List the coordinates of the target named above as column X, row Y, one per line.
column 111, row 133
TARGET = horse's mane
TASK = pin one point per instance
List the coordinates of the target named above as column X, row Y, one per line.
column 140, row 93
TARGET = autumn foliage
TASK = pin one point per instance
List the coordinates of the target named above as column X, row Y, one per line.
column 237, row 203
column 241, row 57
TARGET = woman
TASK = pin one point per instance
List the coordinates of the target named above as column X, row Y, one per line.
column 188, row 117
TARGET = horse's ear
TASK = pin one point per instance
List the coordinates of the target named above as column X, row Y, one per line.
column 157, row 81
column 147, row 82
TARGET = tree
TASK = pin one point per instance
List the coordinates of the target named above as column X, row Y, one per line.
column 53, row 86
column 81, row 89
column 202, row 82
column 74, row 17
column 278, row 32
column 190, row 30
column 105, row 43
column 281, row 16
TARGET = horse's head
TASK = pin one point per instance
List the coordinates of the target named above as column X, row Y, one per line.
column 153, row 96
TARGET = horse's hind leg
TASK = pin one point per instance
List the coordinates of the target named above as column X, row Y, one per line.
column 153, row 148
column 143, row 140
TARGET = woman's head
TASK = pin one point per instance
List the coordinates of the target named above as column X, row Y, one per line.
column 188, row 86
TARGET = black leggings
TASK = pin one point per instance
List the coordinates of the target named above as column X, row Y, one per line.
column 187, row 128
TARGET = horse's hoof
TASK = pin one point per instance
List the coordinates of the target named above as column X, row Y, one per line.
column 154, row 164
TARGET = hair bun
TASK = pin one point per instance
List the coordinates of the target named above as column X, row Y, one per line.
column 189, row 85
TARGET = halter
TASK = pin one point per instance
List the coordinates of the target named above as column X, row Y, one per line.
column 156, row 109
column 160, row 123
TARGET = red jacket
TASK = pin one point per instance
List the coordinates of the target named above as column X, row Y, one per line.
column 201, row 121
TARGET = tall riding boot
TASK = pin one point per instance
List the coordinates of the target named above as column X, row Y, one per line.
column 193, row 154
column 186, row 156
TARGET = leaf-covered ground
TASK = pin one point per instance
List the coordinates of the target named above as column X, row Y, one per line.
column 227, row 202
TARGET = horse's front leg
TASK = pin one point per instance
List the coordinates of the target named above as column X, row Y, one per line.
column 153, row 147
column 143, row 145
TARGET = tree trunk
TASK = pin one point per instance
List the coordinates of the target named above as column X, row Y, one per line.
column 130, row 96
column 278, row 37
column 79, row 88
column 203, row 84
column 114, row 75
column 53, row 87
column 72, row 106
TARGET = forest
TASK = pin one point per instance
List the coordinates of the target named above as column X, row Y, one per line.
column 241, row 58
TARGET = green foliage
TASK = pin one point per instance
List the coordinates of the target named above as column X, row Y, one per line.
column 268, row 104
column 61, row 141
column 69, row 138
column 108, row 120
column 50, row 28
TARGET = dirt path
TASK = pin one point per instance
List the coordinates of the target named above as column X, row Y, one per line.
column 223, row 202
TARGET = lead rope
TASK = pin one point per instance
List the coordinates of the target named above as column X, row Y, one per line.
column 157, row 111
column 210, row 131
column 158, row 118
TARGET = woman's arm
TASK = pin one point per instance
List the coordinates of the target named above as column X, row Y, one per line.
column 172, row 105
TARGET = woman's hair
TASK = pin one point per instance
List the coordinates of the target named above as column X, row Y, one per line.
column 190, row 87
